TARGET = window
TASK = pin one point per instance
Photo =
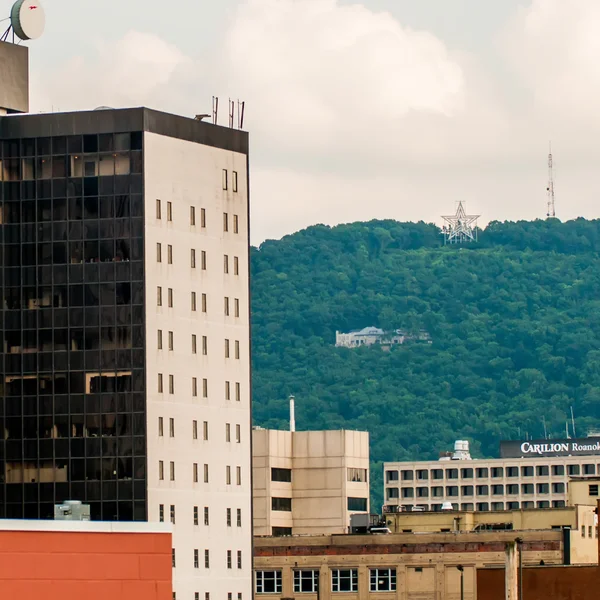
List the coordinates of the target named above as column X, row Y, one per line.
column 173, row 562
column 158, row 296
column 237, row 349
column 497, row 472
column 224, row 179
column 558, row 469
column 225, row 263
column 158, row 252
column 161, row 470
column 195, row 430
column 205, row 388
column 192, row 215
column 483, row 506
column 206, row 595
column 359, row 504
column 170, row 254
column 235, row 181
column 437, row 474
column 196, row 559
column 573, row 469
column 543, row 504
column 583, row 531
column 239, row 559
column 170, row 340
column 206, row 559
column 497, row 505
column 160, row 427
column 593, row 489
column 158, row 209
column 169, row 211
column 203, row 259
column 408, row 492
column 173, row 514
column 452, row 490
column 512, row 506
column 205, row 473
column 238, row 475
column 238, row 392
column 281, row 504
column 239, row 517
column 195, row 473
column 451, row 473
column 172, row 427
column 227, row 390
column 205, row 431
column 236, row 265
column 170, row 297
column 193, row 343
column 437, row 491
column 194, row 387
column 589, row 470
column 225, row 222
column 238, row 434
column 160, row 383
column 228, row 517
column 193, row 301
column 227, row 432
column 382, row 580
column 527, row 471
column 482, row 472
column 543, row 488
column 172, row 471
column 195, row 515
column 237, row 307
column 392, row 493
column 512, row 471
column 357, row 475
column 204, row 345
column 527, row 488
column 306, row 581
column 542, row 471
column 161, row 513
column 466, row 490
column 226, row 348
column 422, row 492
column 193, row 258
column 228, row 475
column 268, row 582
column 497, row 490
column 159, row 343
column 206, row 515
column 229, row 559
column 344, row 580
column 482, row 490
column 513, row 489
column 466, row 473
column 171, row 384
column 236, row 224
column 226, row 306
column 203, row 303
column 558, row 488
column 202, row 217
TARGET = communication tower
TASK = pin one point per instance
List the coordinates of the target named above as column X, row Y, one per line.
column 550, row 189
column 461, row 227
column 27, row 21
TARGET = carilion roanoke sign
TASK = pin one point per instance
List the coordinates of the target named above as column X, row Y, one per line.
column 532, row 448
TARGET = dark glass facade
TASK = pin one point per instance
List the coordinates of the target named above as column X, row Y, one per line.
column 72, row 384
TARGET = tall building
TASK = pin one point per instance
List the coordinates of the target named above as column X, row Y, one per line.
column 308, row 482
column 125, row 361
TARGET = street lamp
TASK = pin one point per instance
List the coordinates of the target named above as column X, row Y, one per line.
column 462, row 581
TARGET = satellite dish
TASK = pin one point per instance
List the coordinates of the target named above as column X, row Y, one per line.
column 28, row 19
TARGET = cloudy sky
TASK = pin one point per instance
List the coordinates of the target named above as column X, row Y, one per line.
column 357, row 110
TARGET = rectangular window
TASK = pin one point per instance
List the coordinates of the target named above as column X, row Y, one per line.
column 193, row 343
column 593, row 489
column 344, row 580
column 268, row 582
column 235, row 181
column 236, row 265
column 359, row 504
column 238, row 475
column 205, row 388
column 237, row 307
column 225, row 263
column 158, row 252
column 228, row 517
column 196, row 559
column 171, row 384
column 359, row 475
column 160, row 383
column 193, row 301
column 205, row 431
column 229, row 565
column 558, row 469
column 170, row 297
column 158, row 209
column 205, row 473
column 195, row 430
column 227, row 390
column 203, row 258
column 195, row 473
column 161, row 470
column 193, row 258
column 172, row 471
column 228, row 475
column 169, row 211
column 160, row 427
column 203, row 303
column 161, row 513
column 238, row 392
column 281, row 504
column 204, row 345
column 195, row 515
column 239, row 517
column 557, row 488
column 227, row 432
column 236, row 224
column 306, row 581
column 203, row 217
column 206, row 559
column 173, row 563
column 225, row 222
column 173, row 514
column 226, row 306
column 159, row 342
column 226, row 348
column 224, row 179
column 238, row 434
column 194, row 387
column 192, row 215
column 573, row 469
column 239, row 559
column 206, row 515
column 482, row 472
column 171, row 427
column 170, row 254
column 382, row 580
column 158, row 296
column 278, row 474
column 543, row 488
column 237, row 349
column 170, row 340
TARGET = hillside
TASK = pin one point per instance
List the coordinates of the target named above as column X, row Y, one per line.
column 515, row 324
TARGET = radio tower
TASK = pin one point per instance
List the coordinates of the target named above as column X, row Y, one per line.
column 550, row 189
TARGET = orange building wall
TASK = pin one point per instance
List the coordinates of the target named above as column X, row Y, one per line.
column 85, row 566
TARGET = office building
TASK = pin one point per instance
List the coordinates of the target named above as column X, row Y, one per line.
column 529, row 475
column 125, row 361
column 308, row 482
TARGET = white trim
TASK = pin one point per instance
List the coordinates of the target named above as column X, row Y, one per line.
column 84, row 526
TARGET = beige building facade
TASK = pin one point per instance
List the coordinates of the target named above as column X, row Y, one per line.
column 308, row 482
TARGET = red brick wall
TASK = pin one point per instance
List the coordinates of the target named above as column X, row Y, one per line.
column 85, row 566
column 544, row 583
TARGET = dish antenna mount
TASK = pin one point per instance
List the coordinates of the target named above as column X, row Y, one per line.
column 27, row 21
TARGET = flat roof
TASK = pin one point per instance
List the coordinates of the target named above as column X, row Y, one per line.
column 84, row 526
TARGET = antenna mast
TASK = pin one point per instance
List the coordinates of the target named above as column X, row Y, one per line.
column 550, row 189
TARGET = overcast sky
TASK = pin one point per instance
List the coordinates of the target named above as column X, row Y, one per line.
column 380, row 109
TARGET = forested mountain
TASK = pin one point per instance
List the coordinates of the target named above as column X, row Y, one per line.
column 514, row 322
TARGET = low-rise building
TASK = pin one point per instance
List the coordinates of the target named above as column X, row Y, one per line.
column 374, row 335
column 308, row 481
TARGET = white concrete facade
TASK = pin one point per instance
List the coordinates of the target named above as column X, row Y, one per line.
column 198, row 417
column 308, row 482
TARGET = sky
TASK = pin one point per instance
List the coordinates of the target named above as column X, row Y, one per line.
column 356, row 110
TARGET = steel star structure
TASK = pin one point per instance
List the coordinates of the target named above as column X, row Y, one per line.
column 461, row 227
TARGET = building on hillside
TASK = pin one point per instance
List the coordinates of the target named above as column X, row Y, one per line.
column 308, row 482
column 529, row 475
column 125, row 357
column 409, row 565
column 373, row 335
column 59, row 560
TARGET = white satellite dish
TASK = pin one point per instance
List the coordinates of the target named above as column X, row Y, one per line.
column 28, row 19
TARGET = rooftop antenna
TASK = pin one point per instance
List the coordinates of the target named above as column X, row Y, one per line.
column 550, row 189
column 231, row 112
column 292, row 414
column 27, row 21
column 573, row 423
column 241, row 108
column 460, row 227
column 567, row 429
column 215, row 110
